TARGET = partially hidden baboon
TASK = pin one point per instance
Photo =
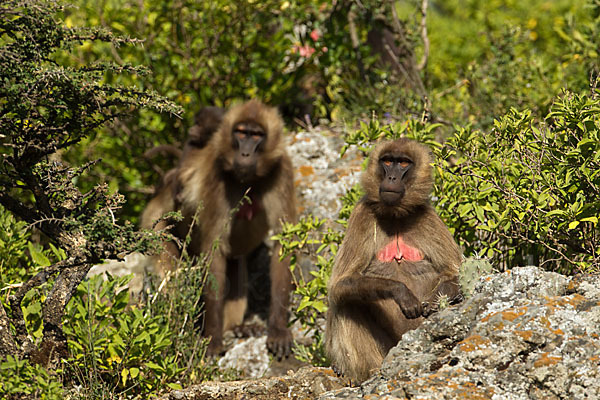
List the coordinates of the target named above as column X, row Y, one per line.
column 206, row 123
column 396, row 259
column 240, row 187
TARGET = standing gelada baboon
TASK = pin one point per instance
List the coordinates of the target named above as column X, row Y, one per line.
column 396, row 258
column 240, row 187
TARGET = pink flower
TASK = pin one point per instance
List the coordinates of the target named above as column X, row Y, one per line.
column 306, row 51
column 315, row 34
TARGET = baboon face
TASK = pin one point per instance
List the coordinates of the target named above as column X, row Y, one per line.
column 395, row 170
column 248, row 138
column 398, row 178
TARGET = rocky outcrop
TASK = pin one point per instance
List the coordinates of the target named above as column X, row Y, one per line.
column 524, row 334
column 306, row 383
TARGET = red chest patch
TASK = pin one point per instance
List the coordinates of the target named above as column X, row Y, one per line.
column 398, row 250
column 248, row 210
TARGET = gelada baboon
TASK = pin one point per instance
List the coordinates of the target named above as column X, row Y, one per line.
column 240, row 187
column 397, row 257
column 206, row 122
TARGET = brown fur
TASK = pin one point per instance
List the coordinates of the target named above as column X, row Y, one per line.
column 367, row 297
column 206, row 122
column 205, row 183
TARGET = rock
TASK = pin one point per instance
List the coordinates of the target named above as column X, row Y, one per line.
column 322, row 177
column 134, row 263
column 525, row 333
column 306, row 383
column 249, row 355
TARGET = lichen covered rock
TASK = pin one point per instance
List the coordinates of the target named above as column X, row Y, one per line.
column 306, row 383
column 524, row 333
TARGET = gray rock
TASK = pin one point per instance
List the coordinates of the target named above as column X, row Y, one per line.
column 525, row 333
column 306, row 383
column 248, row 355
column 322, row 177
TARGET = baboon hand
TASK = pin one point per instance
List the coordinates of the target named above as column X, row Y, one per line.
column 409, row 304
column 279, row 342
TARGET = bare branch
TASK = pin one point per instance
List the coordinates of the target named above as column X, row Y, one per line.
column 355, row 41
column 7, row 343
column 423, row 62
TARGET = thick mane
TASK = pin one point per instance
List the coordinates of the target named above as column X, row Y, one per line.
column 418, row 187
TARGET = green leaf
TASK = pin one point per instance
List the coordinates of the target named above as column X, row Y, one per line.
column 573, row 225
column 556, row 212
column 319, row 306
column 593, row 220
column 174, row 386
column 155, row 367
column 124, row 374
column 37, row 256
column 480, row 214
column 305, row 302
column 134, row 372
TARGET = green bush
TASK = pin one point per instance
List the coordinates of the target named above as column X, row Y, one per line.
column 303, row 237
column 19, row 379
column 116, row 347
column 527, row 192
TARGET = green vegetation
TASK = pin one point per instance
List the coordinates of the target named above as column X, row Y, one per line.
column 504, row 93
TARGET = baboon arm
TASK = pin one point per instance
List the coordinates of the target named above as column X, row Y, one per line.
column 358, row 246
column 214, row 303
column 444, row 253
column 280, row 202
column 279, row 339
column 362, row 289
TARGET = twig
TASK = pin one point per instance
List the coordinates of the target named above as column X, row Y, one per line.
column 425, row 57
column 451, row 88
column 355, row 42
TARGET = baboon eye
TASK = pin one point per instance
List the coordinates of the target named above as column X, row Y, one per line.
column 387, row 163
column 404, row 163
column 240, row 135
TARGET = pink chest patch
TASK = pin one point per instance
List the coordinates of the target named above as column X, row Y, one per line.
column 398, row 250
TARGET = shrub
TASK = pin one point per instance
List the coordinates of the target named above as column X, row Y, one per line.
column 20, row 379
column 114, row 346
column 526, row 192
column 46, row 108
